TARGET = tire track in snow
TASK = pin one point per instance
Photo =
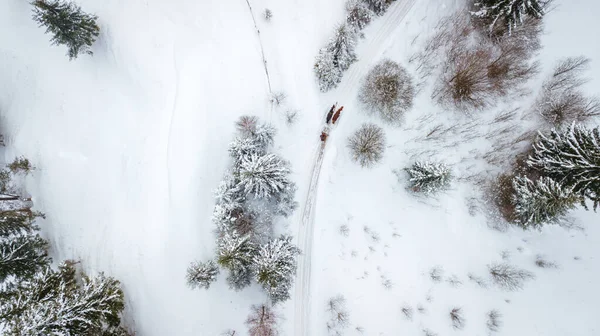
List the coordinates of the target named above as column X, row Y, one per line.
column 374, row 46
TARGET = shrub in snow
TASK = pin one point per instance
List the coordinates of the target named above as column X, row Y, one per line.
column 562, row 101
column 358, row 14
column 202, row 274
column 509, row 277
column 277, row 98
column 268, row 14
column 367, row 145
column 572, row 158
column 428, row 177
column 541, row 202
column 457, row 317
column 274, row 266
column 475, row 74
column 378, row 6
column 494, row 321
column 68, row 24
column 263, row 176
column 505, row 15
column 388, row 91
column 61, row 303
column 262, row 321
column 339, row 317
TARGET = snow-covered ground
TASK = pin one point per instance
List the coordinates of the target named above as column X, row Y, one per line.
column 130, row 143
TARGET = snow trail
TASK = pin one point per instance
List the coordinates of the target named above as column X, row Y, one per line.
column 374, row 46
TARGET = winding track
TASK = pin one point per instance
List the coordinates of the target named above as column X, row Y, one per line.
column 374, row 46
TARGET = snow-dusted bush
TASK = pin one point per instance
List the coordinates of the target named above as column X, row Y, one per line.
column 63, row 303
column 359, row 15
column 572, row 158
column 509, row 277
column 562, row 101
column 388, row 91
column 202, row 274
column 501, row 16
column 275, row 267
column 367, row 145
column 277, row 98
column 68, row 24
column 429, row 177
column 262, row 321
column 541, row 202
column 336, row 57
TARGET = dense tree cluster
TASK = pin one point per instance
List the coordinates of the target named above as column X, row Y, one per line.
column 35, row 298
column 253, row 193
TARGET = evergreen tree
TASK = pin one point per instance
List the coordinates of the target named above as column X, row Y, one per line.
column 327, row 73
column 234, row 252
column 509, row 13
column 359, row 14
column 342, row 47
column 572, row 158
column 264, row 176
column 58, row 303
column 68, row 24
column 275, row 266
column 428, row 177
column 22, row 251
column 201, row 274
column 541, row 202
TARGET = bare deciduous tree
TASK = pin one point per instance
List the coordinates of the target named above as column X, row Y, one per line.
column 262, row 321
column 367, row 145
column 339, row 315
column 388, row 90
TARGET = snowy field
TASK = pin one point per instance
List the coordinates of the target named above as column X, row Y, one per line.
column 129, row 145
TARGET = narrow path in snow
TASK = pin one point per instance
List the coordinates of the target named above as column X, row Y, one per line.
column 262, row 50
column 375, row 45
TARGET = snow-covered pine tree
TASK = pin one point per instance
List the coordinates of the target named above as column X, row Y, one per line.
column 68, row 24
column 342, row 47
column 571, row 158
column 264, row 176
column 275, row 266
column 359, row 15
column 328, row 75
column 378, row 6
column 22, row 251
column 58, row 303
column 541, row 202
column 285, row 204
column 428, row 177
column 509, row 13
column 235, row 252
column 202, row 274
